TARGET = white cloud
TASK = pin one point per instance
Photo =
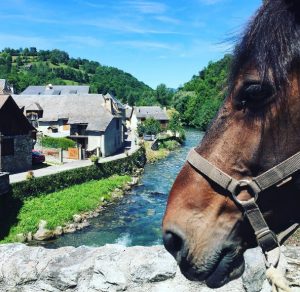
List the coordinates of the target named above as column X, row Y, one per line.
column 167, row 19
column 147, row 7
column 124, row 26
column 83, row 40
column 146, row 45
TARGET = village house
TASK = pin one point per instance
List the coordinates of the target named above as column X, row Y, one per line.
column 94, row 121
column 140, row 113
column 16, row 137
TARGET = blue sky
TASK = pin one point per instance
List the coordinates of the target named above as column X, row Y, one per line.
column 165, row 41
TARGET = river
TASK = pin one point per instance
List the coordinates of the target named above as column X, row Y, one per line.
column 136, row 218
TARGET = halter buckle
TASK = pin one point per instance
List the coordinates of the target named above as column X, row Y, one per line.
column 244, row 185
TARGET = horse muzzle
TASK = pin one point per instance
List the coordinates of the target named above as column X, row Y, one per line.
column 216, row 268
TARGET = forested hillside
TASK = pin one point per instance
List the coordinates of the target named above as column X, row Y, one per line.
column 29, row 66
column 197, row 101
column 200, row 98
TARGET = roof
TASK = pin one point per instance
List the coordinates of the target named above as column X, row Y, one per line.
column 150, row 112
column 3, row 99
column 77, row 108
column 35, row 106
column 57, row 89
column 12, row 120
column 115, row 100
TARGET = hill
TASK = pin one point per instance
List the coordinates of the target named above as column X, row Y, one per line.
column 200, row 98
column 29, row 66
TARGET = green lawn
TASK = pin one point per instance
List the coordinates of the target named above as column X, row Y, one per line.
column 58, row 208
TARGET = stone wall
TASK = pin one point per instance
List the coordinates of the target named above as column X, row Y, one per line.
column 117, row 268
column 22, row 158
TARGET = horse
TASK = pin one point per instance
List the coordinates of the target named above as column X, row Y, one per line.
column 240, row 187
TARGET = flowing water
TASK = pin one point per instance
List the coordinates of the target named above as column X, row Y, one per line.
column 136, row 218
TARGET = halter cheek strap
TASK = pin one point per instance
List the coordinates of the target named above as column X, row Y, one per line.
column 275, row 176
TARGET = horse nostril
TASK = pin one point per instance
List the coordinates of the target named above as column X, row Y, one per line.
column 172, row 242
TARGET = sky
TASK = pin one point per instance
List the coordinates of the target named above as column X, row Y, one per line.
column 166, row 41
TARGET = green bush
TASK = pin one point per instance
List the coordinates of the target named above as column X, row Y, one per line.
column 169, row 144
column 94, row 159
column 53, row 183
column 149, row 126
column 63, row 143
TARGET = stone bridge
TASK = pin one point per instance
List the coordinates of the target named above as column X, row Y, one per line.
column 119, row 268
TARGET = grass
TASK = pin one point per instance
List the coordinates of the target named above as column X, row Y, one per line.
column 154, row 155
column 165, row 148
column 58, row 208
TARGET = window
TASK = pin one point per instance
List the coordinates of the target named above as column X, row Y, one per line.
column 7, row 147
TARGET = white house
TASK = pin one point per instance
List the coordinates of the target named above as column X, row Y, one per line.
column 140, row 113
column 92, row 120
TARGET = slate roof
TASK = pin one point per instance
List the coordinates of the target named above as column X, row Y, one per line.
column 150, row 112
column 3, row 99
column 56, row 90
column 77, row 108
column 35, row 106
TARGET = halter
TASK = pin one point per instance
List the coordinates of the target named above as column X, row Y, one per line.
column 276, row 176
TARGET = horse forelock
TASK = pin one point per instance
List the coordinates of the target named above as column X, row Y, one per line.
column 270, row 44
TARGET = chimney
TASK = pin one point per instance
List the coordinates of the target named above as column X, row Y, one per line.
column 108, row 104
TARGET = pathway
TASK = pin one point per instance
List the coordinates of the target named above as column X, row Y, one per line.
column 67, row 166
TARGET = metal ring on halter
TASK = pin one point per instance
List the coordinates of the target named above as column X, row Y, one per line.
column 242, row 185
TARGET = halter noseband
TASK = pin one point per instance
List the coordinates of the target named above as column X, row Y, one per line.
column 276, row 176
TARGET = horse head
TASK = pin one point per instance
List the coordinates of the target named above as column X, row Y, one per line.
column 256, row 128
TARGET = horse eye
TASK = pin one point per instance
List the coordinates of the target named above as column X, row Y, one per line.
column 258, row 92
column 255, row 95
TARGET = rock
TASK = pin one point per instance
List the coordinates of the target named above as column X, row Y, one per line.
column 20, row 237
column 117, row 193
column 77, row 218
column 134, row 181
column 29, row 236
column 127, row 188
column 70, row 228
column 117, row 268
column 58, row 231
column 292, row 256
column 43, row 233
column 254, row 275
column 82, row 225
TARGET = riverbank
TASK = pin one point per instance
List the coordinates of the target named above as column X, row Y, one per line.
column 162, row 152
column 51, row 215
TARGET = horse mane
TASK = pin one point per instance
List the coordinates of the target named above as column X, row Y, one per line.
column 271, row 43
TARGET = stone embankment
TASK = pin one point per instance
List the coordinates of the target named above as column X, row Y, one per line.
column 118, row 268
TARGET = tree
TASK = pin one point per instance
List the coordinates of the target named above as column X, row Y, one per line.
column 163, row 94
column 175, row 125
column 151, row 126
column 199, row 99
